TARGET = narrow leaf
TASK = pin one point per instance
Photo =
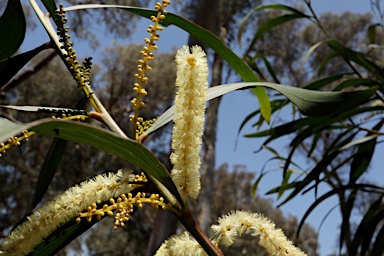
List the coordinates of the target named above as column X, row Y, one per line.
column 268, row 25
column 9, row 67
column 371, row 33
column 364, row 154
column 312, row 103
column 125, row 148
column 44, row 109
column 208, row 39
column 264, row 7
column 12, row 29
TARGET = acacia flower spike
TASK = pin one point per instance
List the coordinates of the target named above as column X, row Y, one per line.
column 238, row 223
column 181, row 244
column 64, row 207
column 192, row 84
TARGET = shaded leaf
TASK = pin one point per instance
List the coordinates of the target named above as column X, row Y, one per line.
column 371, row 33
column 253, row 65
column 268, row 25
column 367, row 223
column 295, row 12
column 61, row 237
column 378, row 246
column 12, row 29
column 320, row 83
column 359, row 58
column 324, row 62
column 9, row 67
column 353, row 82
column 364, row 154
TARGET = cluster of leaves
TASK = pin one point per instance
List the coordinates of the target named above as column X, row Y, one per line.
column 13, row 24
column 343, row 54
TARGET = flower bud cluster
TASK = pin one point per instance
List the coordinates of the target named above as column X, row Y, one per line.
column 14, row 141
column 123, row 206
column 143, row 66
column 79, row 73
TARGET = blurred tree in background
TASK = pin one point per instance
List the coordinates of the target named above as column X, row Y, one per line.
column 330, row 52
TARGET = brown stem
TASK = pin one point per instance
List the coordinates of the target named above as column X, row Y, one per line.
column 190, row 224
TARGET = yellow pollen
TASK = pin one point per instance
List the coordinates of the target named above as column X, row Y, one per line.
column 191, row 60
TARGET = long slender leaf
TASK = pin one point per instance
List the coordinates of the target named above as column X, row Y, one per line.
column 49, row 167
column 366, row 224
column 309, row 102
column 320, row 83
column 359, row 58
column 371, row 33
column 352, row 82
column 313, row 175
column 282, row 7
column 267, row 64
column 44, row 109
column 125, row 148
column 268, row 25
column 378, row 246
column 325, row 61
column 12, row 29
column 9, row 67
column 208, row 39
column 364, row 154
column 61, row 237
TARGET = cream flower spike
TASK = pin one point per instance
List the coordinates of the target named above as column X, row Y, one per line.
column 181, row 245
column 192, row 85
column 240, row 222
column 47, row 219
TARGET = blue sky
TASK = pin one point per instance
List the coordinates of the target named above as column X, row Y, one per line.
column 237, row 105
column 234, row 108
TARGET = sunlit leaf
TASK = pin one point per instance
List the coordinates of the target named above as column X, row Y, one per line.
column 125, row 148
column 309, row 102
column 209, row 39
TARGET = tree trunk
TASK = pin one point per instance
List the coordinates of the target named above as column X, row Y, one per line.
column 209, row 140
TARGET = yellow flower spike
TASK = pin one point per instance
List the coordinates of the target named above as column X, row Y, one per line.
column 143, row 66
column 191, row 83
